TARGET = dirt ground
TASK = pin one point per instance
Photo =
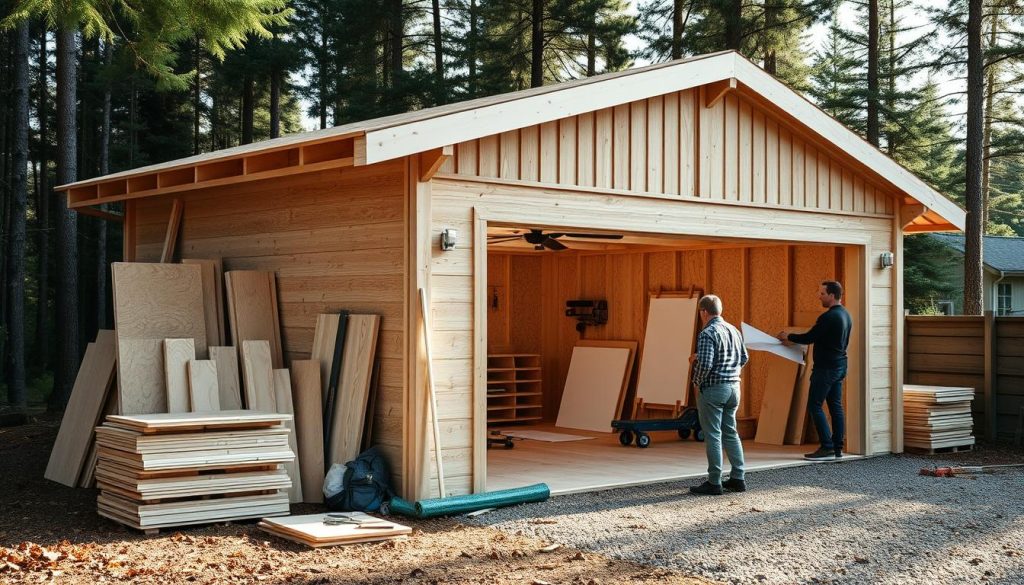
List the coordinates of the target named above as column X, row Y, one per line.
column 51, row 533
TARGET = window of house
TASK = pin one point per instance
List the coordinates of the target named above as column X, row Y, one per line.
column 1003, row 296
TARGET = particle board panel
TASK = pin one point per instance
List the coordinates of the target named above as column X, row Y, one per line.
column 253, row 310
column 203, row 391
column 309, row 429
column 177, row 354
column 228, row 384
column 283, row 398
column 668, row 340
column 258, row 376
column 213, row 298
column 592, row 388
column 349, row 414
column 630, row 361
column 776, row 401
column 83, row 412
column 153, row 302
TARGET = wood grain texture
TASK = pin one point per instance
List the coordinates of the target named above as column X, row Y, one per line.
column 202, row 386
column 153, row 302
column 83, row 411
column 776, row 401
column 283, row 399
column 309, row 430
column 668, row 340
column 213, row 298
column 258, row 376
column 324, row 338
column 354, row 386
column 173, row 227
column 253, row 310
column 177, row 354
column 229, row 388
column 796, row 426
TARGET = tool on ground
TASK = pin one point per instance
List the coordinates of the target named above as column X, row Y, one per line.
column 359, row 520
column 952, row 471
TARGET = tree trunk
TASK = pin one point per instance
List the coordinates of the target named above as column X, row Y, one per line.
column 397, row 48
column 771, row 20
column 248, row 99
column 973, row 244
column 677, row 29
column 101, row 227
column 734, row 25
column 67, row 224
column 872, row 100
column 322, row 73
column 197, row 96
column 989, row 103
column 17, row 395
column 471, row 46
column 442, row 92
column 42, row 349
column 537, row 44
column 275, row 101
column 891, row 137
column 592, row 51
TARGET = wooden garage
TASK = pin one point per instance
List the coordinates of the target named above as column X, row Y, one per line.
column 705, row 172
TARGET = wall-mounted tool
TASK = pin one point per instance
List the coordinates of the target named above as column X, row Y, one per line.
column 587, row 312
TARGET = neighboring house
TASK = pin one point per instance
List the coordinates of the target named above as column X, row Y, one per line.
column 1003, row 274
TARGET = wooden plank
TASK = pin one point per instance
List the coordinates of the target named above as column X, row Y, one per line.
column 776, row 401
column 333, row 380
column 309, row 427
column 258, row 376
column 87, row 479
column 252, row 309
column 797, row 422
column 153, row 302
column 228, row 385
column 196, row 420
column 83, row 411
column 283, row 399
column 173, row 227
column 592, row 388
column 324, row 337
column 213, row 298
column 202, row 386
column 177, row 354
column 354, row 386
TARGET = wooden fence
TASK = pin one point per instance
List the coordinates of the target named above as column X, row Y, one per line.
column 985, row 353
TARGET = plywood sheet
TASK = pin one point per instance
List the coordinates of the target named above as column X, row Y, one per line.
column 324, row 337
column 310, row 529
column 153, row 302
column 592, row 388
column 252, row 310
column 668, row 343
column 796, row 427
column 283, row 398
column 631, row 346
column 780, row 382
column 213, row 298
column 258, row 376
column 309, row 430
column 228, row 385
column 353, row 387
column 83, row 411
column 177, row 354
column 202, row 386
column 197, row 420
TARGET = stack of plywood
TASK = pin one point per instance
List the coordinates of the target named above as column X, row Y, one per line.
column 161, row 470
column 937, row 417
column 312, row 531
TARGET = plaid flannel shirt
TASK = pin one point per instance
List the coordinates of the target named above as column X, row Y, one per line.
column 720, row 354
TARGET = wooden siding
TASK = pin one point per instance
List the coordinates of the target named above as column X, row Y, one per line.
column 672, row 145
column 336, row 239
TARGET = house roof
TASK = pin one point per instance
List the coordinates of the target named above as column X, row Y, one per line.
column 391, row 137
column 1000, row 253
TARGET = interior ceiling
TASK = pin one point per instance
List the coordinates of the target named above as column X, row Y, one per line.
column 496, row 241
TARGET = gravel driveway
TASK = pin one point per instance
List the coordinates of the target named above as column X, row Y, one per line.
column 867, row 521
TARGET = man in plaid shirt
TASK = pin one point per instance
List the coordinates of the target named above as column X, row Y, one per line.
column 716, row 374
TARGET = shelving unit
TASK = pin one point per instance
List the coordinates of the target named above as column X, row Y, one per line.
column 514, row 388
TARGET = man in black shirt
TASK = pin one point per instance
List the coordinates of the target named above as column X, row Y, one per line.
column 830, row 336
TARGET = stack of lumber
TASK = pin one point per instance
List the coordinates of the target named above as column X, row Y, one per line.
column 161, row 470
column 312, row 531
column 937, row 417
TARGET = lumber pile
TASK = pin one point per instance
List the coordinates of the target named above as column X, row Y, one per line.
column 937, row 417
column 319, row 530
column 161, row 470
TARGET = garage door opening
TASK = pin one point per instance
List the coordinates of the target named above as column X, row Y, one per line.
column 542, row 288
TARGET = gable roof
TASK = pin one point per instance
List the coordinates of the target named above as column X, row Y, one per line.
column 1000, row 253
column 392, row 137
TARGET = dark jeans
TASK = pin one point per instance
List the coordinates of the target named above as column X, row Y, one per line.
column 827, row 387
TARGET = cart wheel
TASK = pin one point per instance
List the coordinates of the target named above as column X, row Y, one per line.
column 643, row 440
column 684, row 433
column 699, row 436
column 626, row 437
column 508, row 443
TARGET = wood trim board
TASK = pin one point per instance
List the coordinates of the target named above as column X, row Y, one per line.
column 173, row 227
column 331, row 393
column 592, row 388
column 283, row 398
column 177, row 354
column 202, row 386
column 237, row 419
column 228, row 385
column 664, row 375
column 349, row 413
column 253, row 310
column 780, row 383
column 325, row 337
column 309, row 428
column 631, row 346
column 258, row 376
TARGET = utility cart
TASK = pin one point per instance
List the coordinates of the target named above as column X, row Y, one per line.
column 684, row 425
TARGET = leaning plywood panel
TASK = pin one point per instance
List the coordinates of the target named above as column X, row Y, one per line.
column 353, row 387
column 202, row 386
column 213, row 299
column 309, row 428
column 592, row 388
column 153, row 302
column 631, row 346
column 283, row 398
column 258, row 376
column 668, row 341
column 797, row 425
column 177, row 354
column 252, row 310
column 83, row 411
column 776, row 400
column 324, row 337
column 228, row 385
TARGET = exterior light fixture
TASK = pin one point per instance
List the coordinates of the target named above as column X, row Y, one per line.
column 449, row 238
column 886, row 259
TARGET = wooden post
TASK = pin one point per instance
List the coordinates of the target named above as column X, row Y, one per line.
column 989, row 390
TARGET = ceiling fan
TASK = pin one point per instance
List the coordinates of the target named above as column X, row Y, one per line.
column 541, row 240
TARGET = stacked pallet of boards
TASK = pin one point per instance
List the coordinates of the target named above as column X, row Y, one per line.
column 161, row 470
column 937, row 418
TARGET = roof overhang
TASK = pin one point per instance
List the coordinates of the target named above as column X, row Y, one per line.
column 384, row 139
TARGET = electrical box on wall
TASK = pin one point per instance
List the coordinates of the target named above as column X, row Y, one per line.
column 587, row 312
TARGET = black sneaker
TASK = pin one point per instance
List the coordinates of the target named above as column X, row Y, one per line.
column 735, row 485
column 822, row 454
column 706, row 489
column 839, row 455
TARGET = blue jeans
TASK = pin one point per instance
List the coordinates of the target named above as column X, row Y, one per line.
column 716, row 407
column 827, row 387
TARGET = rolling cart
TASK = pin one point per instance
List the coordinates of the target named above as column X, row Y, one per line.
column 685, row 424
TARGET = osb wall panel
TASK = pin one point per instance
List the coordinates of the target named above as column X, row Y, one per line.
column 336, row 240
column 673, row 145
